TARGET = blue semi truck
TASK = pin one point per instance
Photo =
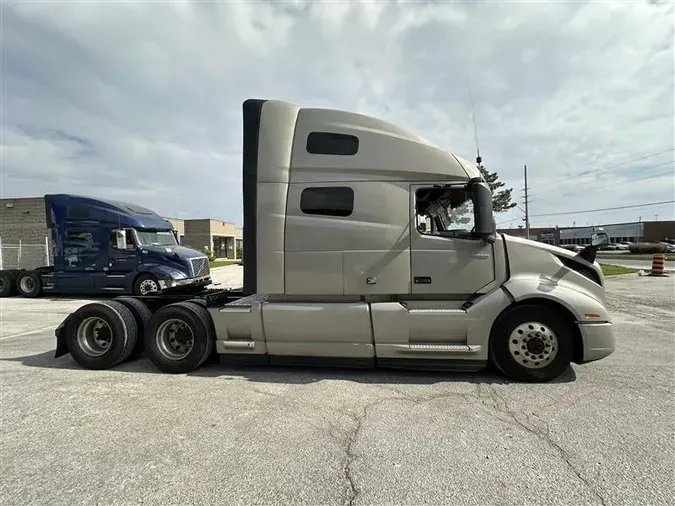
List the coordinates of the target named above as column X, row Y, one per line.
column 108, row 247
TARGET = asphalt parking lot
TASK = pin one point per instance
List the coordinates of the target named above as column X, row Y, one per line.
column 602, row 435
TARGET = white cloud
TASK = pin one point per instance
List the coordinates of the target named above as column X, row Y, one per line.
column 142, row 101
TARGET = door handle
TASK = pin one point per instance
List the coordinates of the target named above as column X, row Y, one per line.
column 422, row 280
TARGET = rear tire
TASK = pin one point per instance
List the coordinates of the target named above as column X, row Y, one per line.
column 142, row 316
column 180, row 337
column 29, row 284
column 7, row 283
column 531, row 343
column 200, row 302
column 101, row 335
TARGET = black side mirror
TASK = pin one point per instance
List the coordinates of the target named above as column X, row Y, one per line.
column 485, row 226
column 599, row 239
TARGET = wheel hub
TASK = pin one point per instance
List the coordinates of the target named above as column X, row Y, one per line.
column 27, row 284
column 533, row 345
column 148, row 286
column 174, row 339
column 94, row 336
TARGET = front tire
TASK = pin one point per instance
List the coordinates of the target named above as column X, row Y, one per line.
column 180, row 337
column 531, row 343
column 146, row 284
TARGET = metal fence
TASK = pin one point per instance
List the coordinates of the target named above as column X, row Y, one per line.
column 23, row 255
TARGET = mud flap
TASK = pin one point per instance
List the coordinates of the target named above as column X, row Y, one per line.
column 61, row 343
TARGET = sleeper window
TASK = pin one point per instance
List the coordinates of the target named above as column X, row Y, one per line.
column 327, row 201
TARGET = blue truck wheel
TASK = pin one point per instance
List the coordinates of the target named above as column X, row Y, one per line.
column 29, row 284
column 146, row 284
column 7, row 283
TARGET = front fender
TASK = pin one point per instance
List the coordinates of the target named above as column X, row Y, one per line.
column 166, row 273
column 584, row 305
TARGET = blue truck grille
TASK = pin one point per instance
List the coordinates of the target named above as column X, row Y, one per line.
column 200, row 267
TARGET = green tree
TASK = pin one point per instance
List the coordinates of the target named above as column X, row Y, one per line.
column 501, row 200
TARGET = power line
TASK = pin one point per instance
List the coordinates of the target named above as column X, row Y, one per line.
column 606, row 209
column 508, row 221
column 644, row 157
column 632, row 160
column 652, row 176
column 600, row 170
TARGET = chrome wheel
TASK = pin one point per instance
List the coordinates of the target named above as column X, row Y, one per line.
column 94, row 336
column 27, row 284
column 174, row 339
column 148, row 286
column 533, row 345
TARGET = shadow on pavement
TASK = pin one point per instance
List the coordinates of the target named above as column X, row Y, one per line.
column 291, row 375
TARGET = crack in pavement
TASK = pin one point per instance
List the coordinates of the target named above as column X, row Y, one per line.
column 349, row 441
column 352, row 490
column 499, row 404
column 486, row 396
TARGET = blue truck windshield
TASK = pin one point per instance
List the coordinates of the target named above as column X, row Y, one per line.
column 156, row 237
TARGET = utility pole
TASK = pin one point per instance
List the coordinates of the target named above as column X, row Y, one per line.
column 527, row 210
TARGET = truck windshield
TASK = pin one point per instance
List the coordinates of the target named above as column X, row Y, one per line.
column 156, row 237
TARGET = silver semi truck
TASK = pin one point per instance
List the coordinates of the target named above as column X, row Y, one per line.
column 365, row 245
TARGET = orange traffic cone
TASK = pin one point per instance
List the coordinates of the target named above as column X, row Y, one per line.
column 658, row 265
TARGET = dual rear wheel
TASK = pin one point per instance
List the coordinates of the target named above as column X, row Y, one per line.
column 178, row 338
column 18, row 281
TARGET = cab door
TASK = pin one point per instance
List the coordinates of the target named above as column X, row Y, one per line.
column 123, row 254
column 123, row 259
column 80, row 252
column 448, row 263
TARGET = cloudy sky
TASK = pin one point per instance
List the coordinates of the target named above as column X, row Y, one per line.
column 141, row 101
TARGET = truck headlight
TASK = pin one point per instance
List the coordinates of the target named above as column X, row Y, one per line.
column 177, row 275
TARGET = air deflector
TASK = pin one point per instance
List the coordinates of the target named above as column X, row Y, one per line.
column 252, row 111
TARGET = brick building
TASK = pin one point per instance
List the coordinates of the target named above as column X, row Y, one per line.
column 25, row 240
column 221, row 237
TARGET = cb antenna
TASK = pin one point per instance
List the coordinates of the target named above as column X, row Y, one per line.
column 473, row 115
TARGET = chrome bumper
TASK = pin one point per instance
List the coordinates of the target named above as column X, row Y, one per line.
column 172, row 283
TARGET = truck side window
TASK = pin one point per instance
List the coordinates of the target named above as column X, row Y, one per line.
column 447, row 212
column 327, row 201
column 121, row 239
column 329, row 143
column 78, row 211
column 76, row 236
